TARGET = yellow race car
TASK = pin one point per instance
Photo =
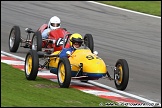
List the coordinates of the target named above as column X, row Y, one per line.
column 83, row 64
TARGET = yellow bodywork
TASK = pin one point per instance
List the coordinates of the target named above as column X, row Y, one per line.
column 92, row 64
column 54, row 60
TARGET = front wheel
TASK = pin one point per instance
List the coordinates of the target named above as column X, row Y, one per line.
column 37, row 41
column 31, row 65
column 14, row 39
column 64, row 73
column 121, row 74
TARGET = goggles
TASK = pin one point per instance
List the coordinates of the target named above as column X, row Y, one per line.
column 55, row 24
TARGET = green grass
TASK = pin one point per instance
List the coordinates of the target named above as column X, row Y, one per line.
column 17, row 91
column 149, row 7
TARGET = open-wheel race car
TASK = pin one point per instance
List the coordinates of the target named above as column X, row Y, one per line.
column 54, row 41
column 83, row 64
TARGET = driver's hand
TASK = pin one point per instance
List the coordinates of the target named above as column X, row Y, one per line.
column 48, row 32
column 68, row 52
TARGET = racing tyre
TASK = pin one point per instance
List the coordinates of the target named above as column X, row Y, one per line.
column 31, row 65
column 14, row 39
column 121, row 74
column 64, row 72
column 88, row 41
column 37, row 41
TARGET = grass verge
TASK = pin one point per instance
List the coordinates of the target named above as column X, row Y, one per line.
column 148, row 7
column 17, row 91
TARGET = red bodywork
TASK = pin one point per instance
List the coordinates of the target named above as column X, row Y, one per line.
column 54, row 34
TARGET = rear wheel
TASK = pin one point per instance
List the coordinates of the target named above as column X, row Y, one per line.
column 31, row 65
column 88, row 41
column 37, row 41
column 121, row 74
column 64, row 73
column 14, row 39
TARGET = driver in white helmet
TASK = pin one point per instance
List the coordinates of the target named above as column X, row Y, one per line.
column 53, row 24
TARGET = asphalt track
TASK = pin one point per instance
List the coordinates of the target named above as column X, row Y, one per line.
column 117, row 34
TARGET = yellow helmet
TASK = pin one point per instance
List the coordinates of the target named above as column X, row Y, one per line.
column 76, row 37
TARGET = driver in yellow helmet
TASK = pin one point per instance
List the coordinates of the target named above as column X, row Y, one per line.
column 76, row 41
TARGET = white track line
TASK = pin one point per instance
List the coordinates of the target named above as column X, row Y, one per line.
column 122, row 92
column 20, row 58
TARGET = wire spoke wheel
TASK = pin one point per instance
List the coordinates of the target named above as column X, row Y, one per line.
column 37, row 41
column 14, row 39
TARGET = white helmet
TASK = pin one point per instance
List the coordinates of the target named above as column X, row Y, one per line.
column 54, row 23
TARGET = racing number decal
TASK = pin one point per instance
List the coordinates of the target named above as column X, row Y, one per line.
column 60, row 42
column 89, row 57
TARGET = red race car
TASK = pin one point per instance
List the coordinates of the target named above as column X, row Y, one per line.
column 53, row 43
